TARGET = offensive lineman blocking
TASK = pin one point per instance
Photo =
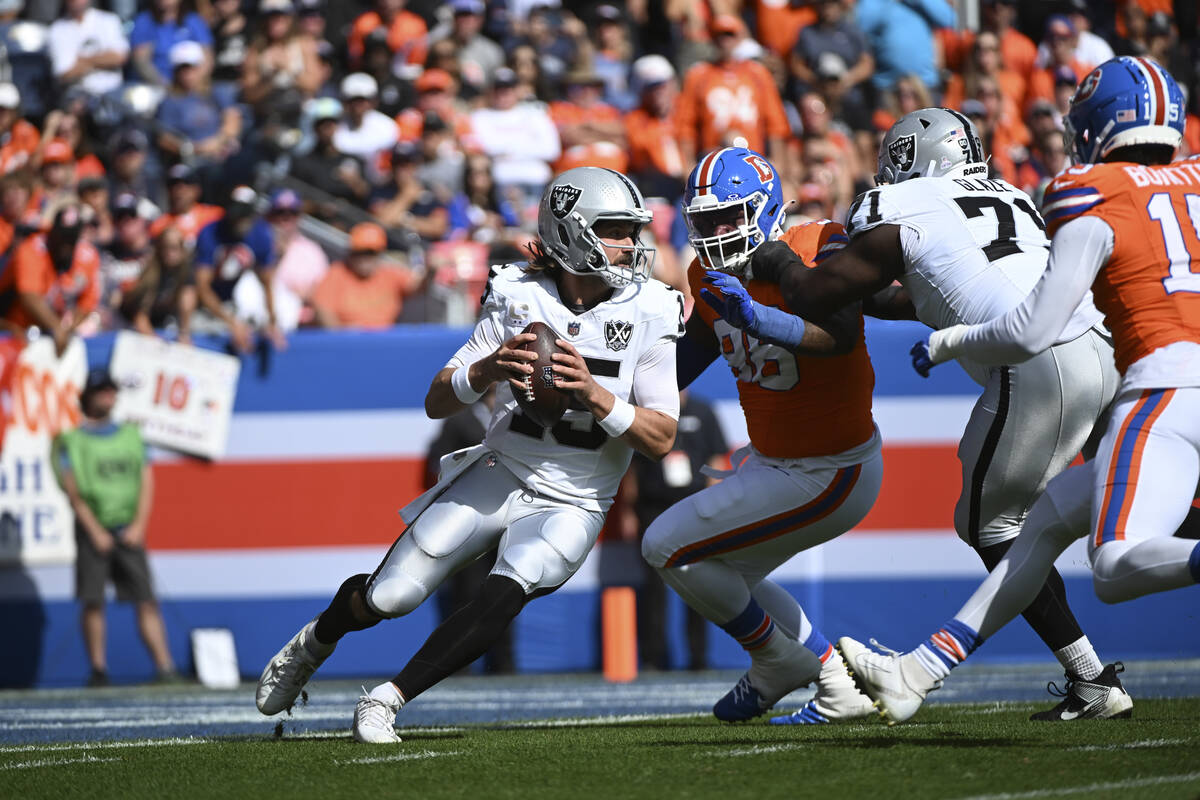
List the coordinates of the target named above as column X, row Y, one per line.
column 540, row 494
column 1126, row 224
column 966, row 249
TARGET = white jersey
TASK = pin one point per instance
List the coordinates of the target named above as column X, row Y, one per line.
column 973, row 249
column 628, row 342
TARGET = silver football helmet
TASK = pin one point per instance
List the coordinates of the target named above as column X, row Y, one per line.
column 930, row 143
column 572, row 205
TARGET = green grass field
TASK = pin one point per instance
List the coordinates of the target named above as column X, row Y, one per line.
column 947, row 751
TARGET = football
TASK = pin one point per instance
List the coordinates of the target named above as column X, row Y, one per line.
column 542, row 401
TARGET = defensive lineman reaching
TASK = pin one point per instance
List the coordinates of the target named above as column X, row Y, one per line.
column 1126, row 224
column 813, row 467
column 540, row 494
column 967, row 249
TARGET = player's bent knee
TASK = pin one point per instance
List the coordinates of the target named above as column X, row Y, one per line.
column 395, row 595
column 1106, row 576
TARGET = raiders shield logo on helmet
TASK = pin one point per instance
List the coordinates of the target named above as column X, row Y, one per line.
column 617, row 334
column 563, row 198
column 902, row 152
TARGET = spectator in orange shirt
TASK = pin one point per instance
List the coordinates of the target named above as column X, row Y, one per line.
column 779, row 23
column 436, row 91
column 185, row 212
column 363, row 292
column 407, row 34
column 1060, row 39
column 985, row 62
column 18, row 138
column 590, row 130
column 728, row 99
column 57, row 278
column 1018, row 52
column 655, row 160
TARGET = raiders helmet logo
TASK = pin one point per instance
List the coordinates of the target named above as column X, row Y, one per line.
column 617, row 334
column 563, row 199
column 903, row 152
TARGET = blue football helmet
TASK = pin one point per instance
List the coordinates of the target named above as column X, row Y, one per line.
column 732, row 203
column 1122, row 102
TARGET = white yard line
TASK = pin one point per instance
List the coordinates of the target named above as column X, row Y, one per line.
column 342, row 734
column 57, row 762
column 755, row 750
column 1139, row 745
column 581, row 722
column 1132, row 783
column 49, row 748
column 417, row 756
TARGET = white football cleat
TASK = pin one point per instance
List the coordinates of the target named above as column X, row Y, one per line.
column 286, row 673
column 837, row 698
column 882, row 677
column 374, row 721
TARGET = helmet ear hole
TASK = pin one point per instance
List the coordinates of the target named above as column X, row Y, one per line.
column 563, row 236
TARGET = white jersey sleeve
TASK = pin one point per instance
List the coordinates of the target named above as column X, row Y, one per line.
column 1081, row 247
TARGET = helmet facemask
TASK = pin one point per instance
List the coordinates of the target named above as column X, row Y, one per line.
column 597, row 263
column 729, row 251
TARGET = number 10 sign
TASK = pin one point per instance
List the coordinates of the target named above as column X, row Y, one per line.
column 180, row 396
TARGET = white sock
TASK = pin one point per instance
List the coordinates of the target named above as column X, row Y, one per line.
column 1079, row 659
column 387, row 693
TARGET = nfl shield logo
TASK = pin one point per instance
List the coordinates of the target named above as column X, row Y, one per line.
column 617, row 334
column 573, row 328
column 563, row 198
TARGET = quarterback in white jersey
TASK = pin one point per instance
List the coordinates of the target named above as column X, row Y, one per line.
column 537, row 494
column 965, row 249
column 627, row 342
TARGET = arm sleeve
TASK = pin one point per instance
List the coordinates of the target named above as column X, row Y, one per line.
column 654, row 384
column 1079, row 249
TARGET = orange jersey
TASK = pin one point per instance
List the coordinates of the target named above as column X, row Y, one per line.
column 796, row 406
column 652, row 143
column 189, row 223
column 780, row 23
column 1149, row 290
column 76, row 290
column 17, row 146
column 610, row 155
column 407, row 36
column 723, row 101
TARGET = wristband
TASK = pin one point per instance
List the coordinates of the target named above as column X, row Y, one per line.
column 619, row 419
column 461, row 384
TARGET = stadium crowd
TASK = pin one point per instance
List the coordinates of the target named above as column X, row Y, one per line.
column 194, row 166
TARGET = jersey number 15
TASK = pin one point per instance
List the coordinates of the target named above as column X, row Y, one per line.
column 1181, row 278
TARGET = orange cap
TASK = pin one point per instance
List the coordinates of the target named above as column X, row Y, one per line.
column 367, row 237
column 434, row 80
column 57, row 152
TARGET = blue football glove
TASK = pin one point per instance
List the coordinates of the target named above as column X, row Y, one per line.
column 735, row 307
column 921, row 361
column 765, row 323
